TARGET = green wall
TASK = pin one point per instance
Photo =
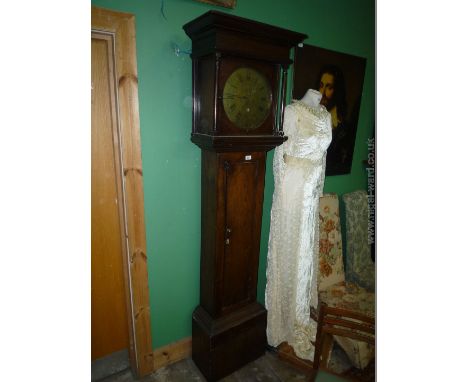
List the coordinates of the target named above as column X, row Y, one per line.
column 171, row 163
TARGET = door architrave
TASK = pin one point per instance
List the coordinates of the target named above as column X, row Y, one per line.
column 122, row 27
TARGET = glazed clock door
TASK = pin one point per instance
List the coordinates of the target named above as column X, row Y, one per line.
column 242, row 199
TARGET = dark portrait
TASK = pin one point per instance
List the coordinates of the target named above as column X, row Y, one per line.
column 339, row 77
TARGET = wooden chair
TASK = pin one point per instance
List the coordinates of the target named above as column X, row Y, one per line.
column 337, row 293
column 347, row 304
column 343, row 323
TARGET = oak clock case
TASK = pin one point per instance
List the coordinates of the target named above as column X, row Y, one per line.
column 239, row 72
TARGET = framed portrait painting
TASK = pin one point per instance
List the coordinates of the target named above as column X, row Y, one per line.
column 339, row 77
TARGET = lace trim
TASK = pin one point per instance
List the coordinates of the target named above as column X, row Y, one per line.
column 320, row 111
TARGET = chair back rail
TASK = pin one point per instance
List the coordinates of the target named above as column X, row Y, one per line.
column 348, row 333
column 348, row 313
column 359, row 326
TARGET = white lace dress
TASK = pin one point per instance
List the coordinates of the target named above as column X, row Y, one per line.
column 299, row 172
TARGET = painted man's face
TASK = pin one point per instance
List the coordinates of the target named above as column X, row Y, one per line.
column 327, row 88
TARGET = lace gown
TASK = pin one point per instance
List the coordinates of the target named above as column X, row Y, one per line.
column 299, row 172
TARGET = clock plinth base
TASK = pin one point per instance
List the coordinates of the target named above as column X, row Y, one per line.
column 221, row 346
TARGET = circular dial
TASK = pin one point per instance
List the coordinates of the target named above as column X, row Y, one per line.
column 247, row 98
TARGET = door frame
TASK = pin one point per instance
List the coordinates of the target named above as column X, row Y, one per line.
column 122, row 27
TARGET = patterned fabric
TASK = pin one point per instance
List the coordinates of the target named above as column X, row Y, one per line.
column 350, row 296
column 346, row 295
column 293, row 246
column 331, row 269
column 359, row 266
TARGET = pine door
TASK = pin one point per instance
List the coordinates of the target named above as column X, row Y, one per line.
column 109, row 327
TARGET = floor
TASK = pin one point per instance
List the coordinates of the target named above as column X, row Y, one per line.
column 265, row 369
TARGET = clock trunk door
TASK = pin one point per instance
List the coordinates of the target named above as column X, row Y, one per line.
column 242, row 199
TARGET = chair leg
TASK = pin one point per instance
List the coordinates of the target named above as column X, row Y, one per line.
column 323, row 348
column 318, row 343
column 326, row 347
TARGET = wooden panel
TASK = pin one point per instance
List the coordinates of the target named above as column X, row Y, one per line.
column 240, row 183
column 109, row 332
column 222, row 345
column 230, row 199
column 242, row 194
column 237, row 143
column 204, row 78
column 209, row 176
column 122, row 25
column 172, row 353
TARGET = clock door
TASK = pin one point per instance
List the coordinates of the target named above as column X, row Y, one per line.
column 242, row 198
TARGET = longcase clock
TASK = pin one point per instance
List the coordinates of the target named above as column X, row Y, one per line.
column 239, row 85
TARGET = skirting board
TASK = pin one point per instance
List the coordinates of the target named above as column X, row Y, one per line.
column 172, row 353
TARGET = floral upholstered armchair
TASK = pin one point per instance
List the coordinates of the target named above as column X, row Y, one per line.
column 355, row 291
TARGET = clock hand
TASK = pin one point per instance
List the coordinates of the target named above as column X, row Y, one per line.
column 234, row 96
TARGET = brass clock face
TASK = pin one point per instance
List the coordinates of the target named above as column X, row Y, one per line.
column 247, row 98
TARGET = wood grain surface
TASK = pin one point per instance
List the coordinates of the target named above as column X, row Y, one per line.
column 122, row 27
